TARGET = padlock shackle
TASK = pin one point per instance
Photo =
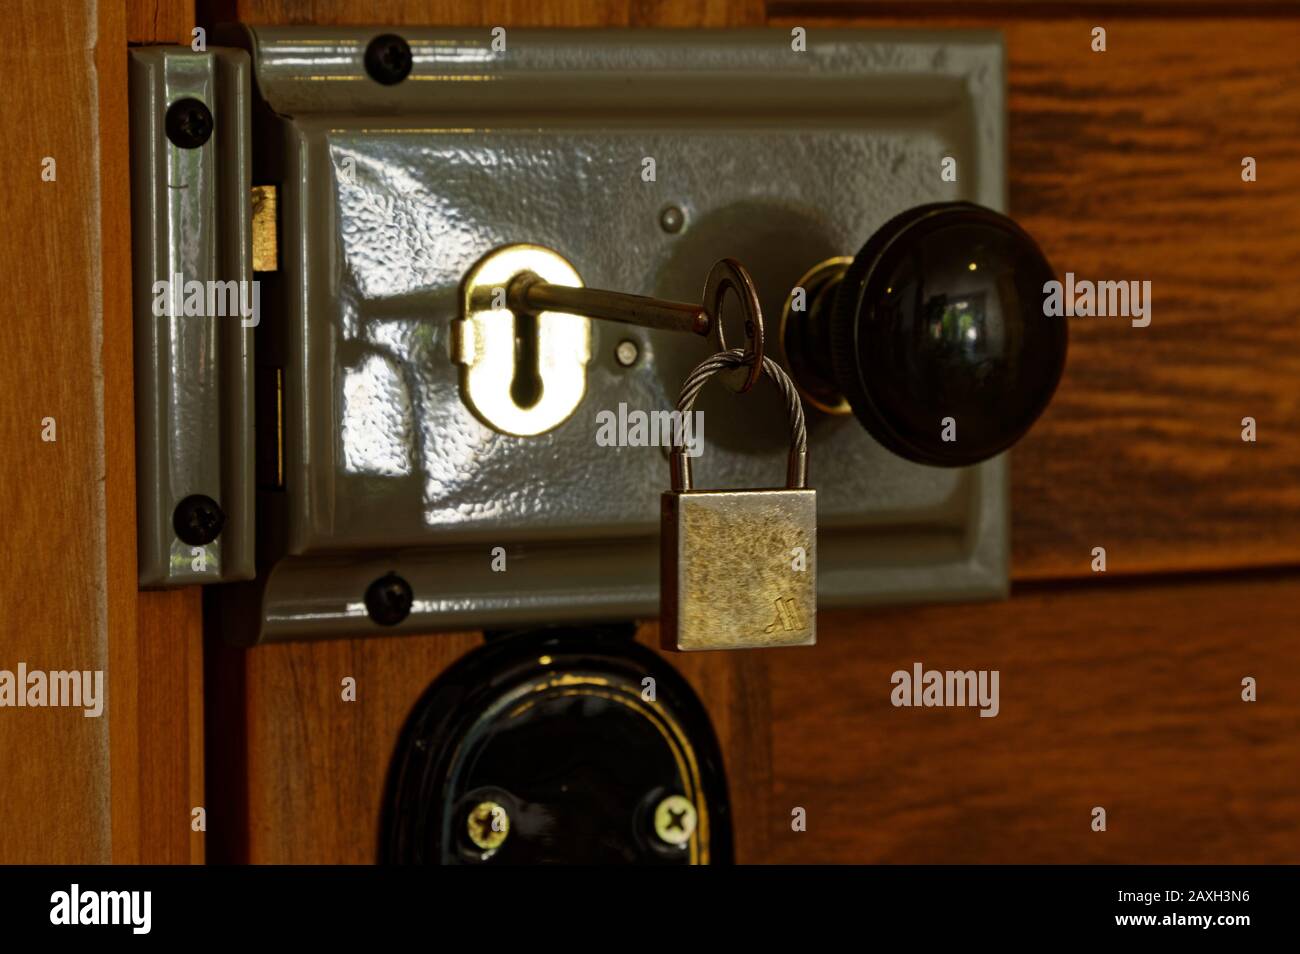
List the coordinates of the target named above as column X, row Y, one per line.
column 796, row 474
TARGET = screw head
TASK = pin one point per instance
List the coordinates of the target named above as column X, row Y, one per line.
column 671, row 219
column 488, row 824
column 626, row 353
column 675, row 820
column 389, row 599
column 189, row 123
column 197, row 520
column 388, row 59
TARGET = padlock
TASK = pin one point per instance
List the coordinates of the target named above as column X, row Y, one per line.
column 738, row 567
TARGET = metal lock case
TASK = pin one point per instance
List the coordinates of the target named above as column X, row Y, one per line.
column 728, row 574
column 371, row 462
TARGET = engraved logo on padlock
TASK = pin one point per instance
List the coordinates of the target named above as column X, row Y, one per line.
column 738, row 567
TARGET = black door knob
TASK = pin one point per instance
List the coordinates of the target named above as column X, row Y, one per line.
column 935, row 335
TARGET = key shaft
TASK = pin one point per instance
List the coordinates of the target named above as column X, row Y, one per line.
column 531, row 295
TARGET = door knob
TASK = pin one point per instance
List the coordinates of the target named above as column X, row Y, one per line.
column 933, row 335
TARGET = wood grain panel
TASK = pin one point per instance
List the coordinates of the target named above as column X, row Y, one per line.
column 65, row 603
column 168, row 690
column 309, row 780
column 160, row 21
column 1128, row 165
column 1003, row 10
column 508, row 13
column 1122, row 696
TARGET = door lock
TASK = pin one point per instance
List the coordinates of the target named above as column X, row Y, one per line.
column 355, row 434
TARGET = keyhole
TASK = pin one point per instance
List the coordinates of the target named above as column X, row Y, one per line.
column 526, row 388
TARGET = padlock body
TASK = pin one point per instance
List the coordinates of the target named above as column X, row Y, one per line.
column 738, row 569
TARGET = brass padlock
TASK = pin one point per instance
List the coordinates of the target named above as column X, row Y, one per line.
column 738, row 567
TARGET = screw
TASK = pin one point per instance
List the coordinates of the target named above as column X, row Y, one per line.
column 197, row 520
column 671, row 219
column 626, row 353
column 188, row 124
column 389, row 599
column 388, row 59
column 675, row 820
column 488, row 825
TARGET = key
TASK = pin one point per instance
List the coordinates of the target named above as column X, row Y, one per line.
column 530, row 295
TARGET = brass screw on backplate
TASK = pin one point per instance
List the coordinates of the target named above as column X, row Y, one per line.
column 488, row 824
column 675, row 820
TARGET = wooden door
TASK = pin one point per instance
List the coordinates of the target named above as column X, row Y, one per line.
column 1120, row 689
